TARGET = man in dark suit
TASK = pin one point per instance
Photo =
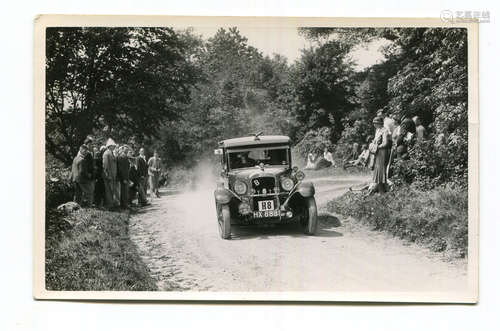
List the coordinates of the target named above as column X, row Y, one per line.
column 123, row 176
column 142, row 172
column 81, row 176
column 134, row 178
column 90, row 165
column 99, row 181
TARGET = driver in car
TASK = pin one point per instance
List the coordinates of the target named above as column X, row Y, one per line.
column 243, row 161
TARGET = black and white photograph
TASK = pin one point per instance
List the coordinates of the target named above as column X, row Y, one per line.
column 256, row 159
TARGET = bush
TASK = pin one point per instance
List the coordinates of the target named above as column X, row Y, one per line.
column 314, row 142
column 58, row 188
column 430, row 165
column 437, row 218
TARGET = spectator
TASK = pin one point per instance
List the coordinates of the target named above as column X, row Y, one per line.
column 109, row 174
column 133, row 177
column 142, row 171
column 440, row 140
column 395, row 133
column 327, row 155
column 362, row 159
column 419, row 129
column 154, row 170
column 393, row 150
column 371, row 157
column 389, row 123
column 354, row 152
column 163, row 179
column 99, row 181
column 406, row 133
column 380, row 148
column 123, row 169
column 90, row 166
column 310, row 161
column 82, row 178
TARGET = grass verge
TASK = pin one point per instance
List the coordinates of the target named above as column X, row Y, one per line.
column 90, row 250
column 436, row 218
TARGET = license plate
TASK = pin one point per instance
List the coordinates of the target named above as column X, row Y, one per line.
column 264, row 214
column 266, row 205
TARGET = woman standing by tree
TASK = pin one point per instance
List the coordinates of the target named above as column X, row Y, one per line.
column 380, row 147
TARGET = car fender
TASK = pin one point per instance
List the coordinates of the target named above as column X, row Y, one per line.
column 222, row 195
column 305, row 189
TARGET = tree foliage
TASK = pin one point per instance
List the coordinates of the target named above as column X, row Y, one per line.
column 120, row 81
column 237, row 94
column 321, row 88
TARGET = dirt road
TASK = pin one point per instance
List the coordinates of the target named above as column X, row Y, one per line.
column 178, row 238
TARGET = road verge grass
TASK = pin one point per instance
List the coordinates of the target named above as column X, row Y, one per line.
column 90, row 250
column 435, row 218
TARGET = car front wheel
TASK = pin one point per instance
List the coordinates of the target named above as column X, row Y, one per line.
column 224, row 220
column 310, row 216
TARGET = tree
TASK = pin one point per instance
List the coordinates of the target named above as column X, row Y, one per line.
column 237, row 94
column 120, row 82
column 323, row 90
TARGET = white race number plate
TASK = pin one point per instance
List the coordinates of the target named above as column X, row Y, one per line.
column 266, row 205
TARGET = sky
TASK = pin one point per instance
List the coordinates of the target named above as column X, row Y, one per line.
column 287, row 41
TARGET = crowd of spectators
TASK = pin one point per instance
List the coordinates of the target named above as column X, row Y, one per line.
column 112, row 176
column 393, row 139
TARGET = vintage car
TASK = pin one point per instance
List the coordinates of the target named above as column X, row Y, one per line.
column 258, row 185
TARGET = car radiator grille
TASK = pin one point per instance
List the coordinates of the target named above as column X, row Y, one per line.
column 261, row 183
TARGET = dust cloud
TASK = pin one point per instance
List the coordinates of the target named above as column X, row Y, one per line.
column 205, row 176
column 196, row 197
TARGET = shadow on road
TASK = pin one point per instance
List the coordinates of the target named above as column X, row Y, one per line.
column 144, row 210
column 326, row 223
column 328, row 220
column 172, row 191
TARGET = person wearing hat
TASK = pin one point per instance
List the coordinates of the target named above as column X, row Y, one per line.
column 380, row 147
column 109, row 174
column 81, row 178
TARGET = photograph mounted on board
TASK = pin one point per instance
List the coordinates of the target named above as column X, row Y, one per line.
column 256, row 159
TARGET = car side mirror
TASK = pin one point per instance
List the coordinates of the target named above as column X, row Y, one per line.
column 218, row 151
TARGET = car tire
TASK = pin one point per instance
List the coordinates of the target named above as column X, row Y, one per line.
column 310, row 221
column 224, row 221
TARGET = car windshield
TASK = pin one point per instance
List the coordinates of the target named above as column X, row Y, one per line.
column 253, row 157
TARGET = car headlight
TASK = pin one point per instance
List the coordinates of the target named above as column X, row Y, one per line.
column 286, row 183
column 300, row 175
column 240, row 187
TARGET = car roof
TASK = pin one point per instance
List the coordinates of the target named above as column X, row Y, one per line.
column 254, row 141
